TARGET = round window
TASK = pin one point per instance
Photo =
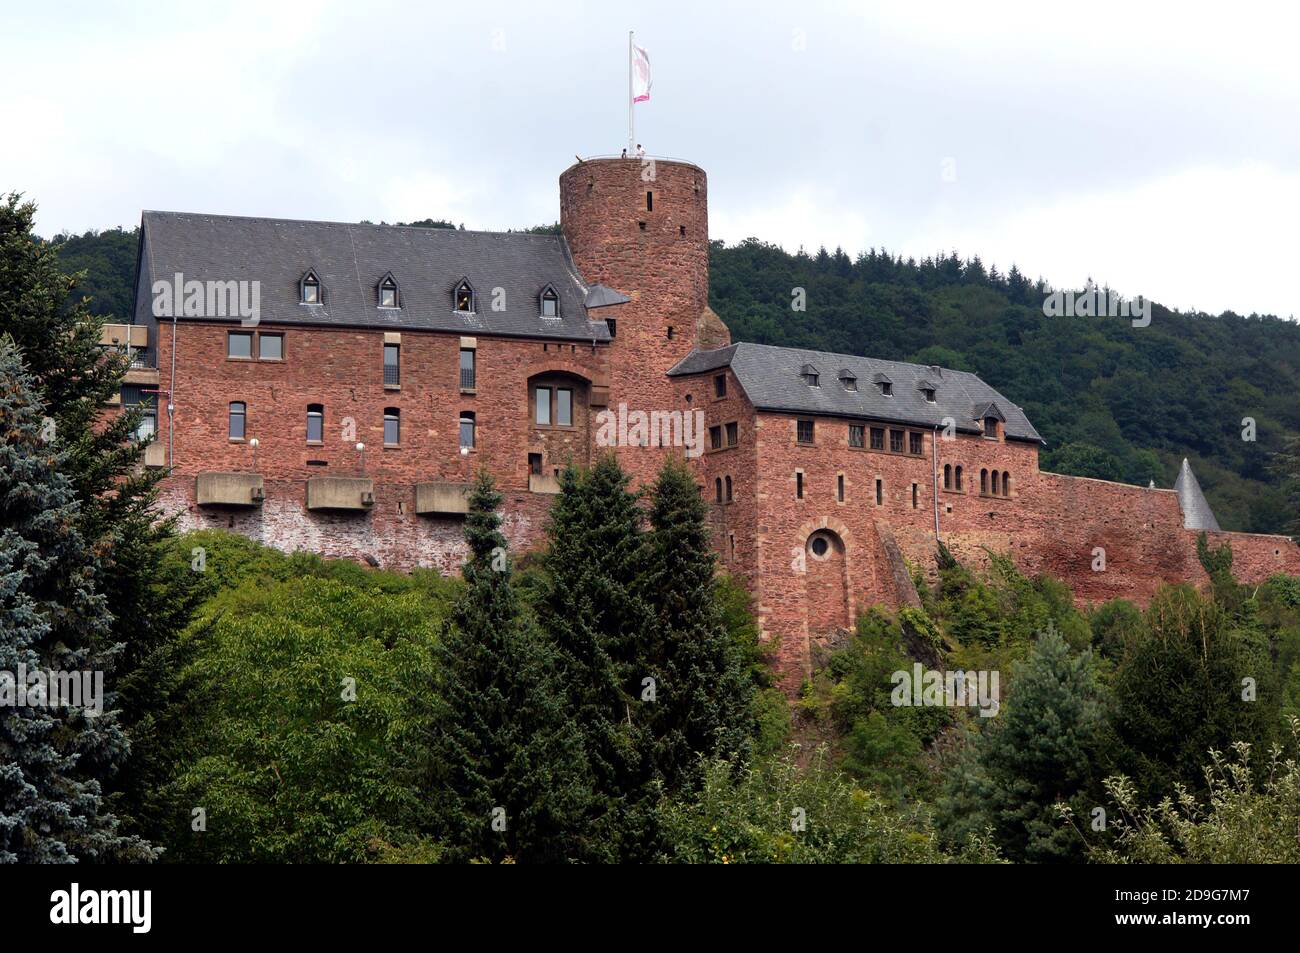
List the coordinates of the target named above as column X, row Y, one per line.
column 820, row 546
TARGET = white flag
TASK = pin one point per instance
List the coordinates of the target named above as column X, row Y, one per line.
column 640, row 75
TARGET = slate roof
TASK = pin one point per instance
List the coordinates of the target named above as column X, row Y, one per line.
column 350, row 260
column 1196, row 510
column 772, row 380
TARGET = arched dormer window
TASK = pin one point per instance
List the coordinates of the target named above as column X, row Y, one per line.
column 389, row 294
column 309, row 289
column 549, row 303
column 462, row 298
column 810, row 375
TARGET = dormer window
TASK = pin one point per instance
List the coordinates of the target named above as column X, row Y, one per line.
column 885, row 384
column 848, row 380
column 990, row 426
column 550, row 303
column 309, row 289
column 810, row 375
column 929, row 394
column 388, row 297
column 463, row 298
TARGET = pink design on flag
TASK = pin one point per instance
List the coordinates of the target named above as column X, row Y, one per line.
column 640, row 75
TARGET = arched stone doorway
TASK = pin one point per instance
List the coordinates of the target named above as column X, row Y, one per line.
column 826, row 588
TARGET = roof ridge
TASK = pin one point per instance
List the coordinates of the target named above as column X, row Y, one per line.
column 324, row 221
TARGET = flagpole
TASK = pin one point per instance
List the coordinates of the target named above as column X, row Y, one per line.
column 631, row 136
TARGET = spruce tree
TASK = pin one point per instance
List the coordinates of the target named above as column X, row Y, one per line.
column 703, row 694
column 510, row 778
column 1040, row 749
column 53, row 618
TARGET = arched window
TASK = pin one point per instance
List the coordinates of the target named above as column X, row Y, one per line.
column 388, row 293
column 463, row 298
column 315, row 423
column 728, row 484
column 467, row 427
column 309, row 289
column 995, row 482
column 947, row 476
column 984, row 481
column 392, row 426
column 958, row 474
column 238, row 419
column 550, row 303
column 717, row 489
column 1006, row 484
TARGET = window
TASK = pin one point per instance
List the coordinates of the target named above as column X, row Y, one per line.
column 717, row 489
column 388, row 292
column 1006, row 484
column 612, row 324
column 392, row 365
column 798, row 484
column 895, row 441
column 880, row 492
column 984, row 481
column 886, row 389
column 728, row 482
column 995, row 483
column 857, row 434
column 804, row 431
column 914, row 443
column 238, row 418
column 733, row 434
column 877, row 438
column 463, row 299
column 848, row 380
column 670, row 332
column 309, row 290
column 839, row 487
column 148, row 425
column 720, row 385
column 810, row 375
column 467, row 376
column 392, row 426
column 550, row 304
column 990, row 426
column 715, row 438
column 270, row 347
column 649, row 201
column 239, row 345
column 820, row 546
column 535, row 464
column 542, row 407
column 315, row 423
column 947, row 476
column 467, row 430
column 958, row 476
column 564, row 407
column 915, row 495
column 929, row 394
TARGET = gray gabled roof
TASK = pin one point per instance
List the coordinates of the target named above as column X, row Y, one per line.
column 771, row 379
column 1196, row 510
column 350, row 260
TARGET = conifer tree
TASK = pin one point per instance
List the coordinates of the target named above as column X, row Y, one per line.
column 1040, row 749
column 702, row 702
column 509, row 770
column 53, row 618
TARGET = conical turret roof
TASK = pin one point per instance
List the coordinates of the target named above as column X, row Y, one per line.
column 1196, row 511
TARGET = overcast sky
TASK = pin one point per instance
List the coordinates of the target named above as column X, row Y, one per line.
column 1152, row 146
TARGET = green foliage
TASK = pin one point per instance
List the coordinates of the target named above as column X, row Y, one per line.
column 777, row 812
column 106, row 259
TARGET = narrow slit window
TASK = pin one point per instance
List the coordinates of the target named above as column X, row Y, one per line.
column 798, row 485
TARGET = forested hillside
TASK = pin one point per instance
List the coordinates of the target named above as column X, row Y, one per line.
column 1113, row 401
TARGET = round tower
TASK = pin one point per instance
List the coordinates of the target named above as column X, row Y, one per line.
column 641, row 227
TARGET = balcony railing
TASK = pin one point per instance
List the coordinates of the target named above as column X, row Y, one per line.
column 141, row 358
column 392, row 375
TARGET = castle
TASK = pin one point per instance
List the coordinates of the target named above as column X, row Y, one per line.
column 380, row 367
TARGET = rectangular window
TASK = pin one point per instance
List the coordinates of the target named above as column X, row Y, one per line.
column 239, row 345
column 914, row 443
column 877, row 438
column 392, row 365
column 564, row 407
column 720, row 385
column 315, row 423
column 880, row 492
column 392, row 427
column 733, row 434
column 467, row 430
column 270, row 347
column 467, row 376
column 238, row 415
column 535, row 464
column 542, row 407
column 857, row 435
column 798, row 485
column 715, row 438
column 839, row 488
column 915, row 496
column 805, row 431
column 896, row 441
